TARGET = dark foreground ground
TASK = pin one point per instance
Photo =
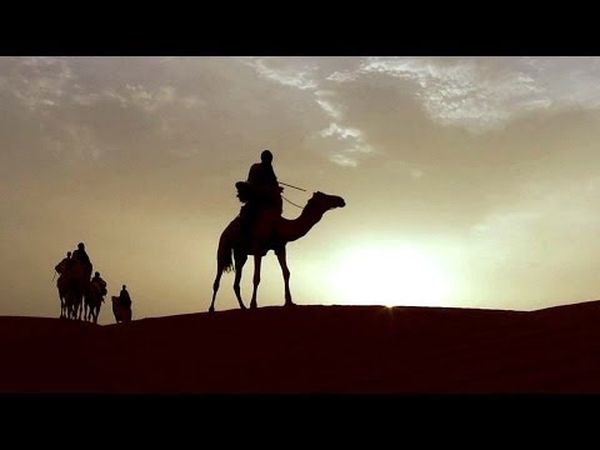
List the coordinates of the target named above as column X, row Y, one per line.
column 310, row 349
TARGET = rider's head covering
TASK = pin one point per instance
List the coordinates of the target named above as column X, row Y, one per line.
column 266, row 156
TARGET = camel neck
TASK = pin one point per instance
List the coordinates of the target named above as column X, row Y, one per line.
column 298, row 227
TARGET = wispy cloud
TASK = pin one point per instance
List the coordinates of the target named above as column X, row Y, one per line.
column 37, row 82
column 343, row 160
column 483, row 93
column 305, row 78
column 294, row 77
column 341, row 132
column 324, row 99
column 350, row 143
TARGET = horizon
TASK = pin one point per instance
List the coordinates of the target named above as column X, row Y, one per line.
column 471, row 181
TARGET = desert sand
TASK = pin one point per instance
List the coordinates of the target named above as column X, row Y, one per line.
column 310, row 350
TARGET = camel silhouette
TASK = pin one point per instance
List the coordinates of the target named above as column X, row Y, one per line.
column 92, row 303
column 271, row 232
column 122, row 313
column 72, row 287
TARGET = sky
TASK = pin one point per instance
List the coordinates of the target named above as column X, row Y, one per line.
column 469, row 182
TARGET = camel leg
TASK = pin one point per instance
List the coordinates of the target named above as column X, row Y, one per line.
column 215, row 289
column 240, row 260
column 70, row 306
column 286, row 276
column 256, row 280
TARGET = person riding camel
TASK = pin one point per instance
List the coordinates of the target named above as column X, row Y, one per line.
column 261, row 191
column 100, row 284
column 65, row 265
column 82, row 257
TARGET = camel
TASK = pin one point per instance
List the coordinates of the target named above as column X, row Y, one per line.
column 71, row 289
column 122, row 313
column 92, row 303
column 62, row 283
column 271, row 232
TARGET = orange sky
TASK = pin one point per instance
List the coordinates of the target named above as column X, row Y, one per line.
column 472, row 181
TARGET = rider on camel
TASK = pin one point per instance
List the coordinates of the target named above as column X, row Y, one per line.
column 82, row 257
column 65, row 265
column 100, row 284
column 259, row 192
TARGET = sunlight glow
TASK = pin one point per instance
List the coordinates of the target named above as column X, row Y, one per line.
column 390, row 276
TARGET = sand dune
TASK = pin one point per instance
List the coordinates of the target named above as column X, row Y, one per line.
column 310, row 349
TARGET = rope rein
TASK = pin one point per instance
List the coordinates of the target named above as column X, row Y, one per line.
column 294, row 187
column 289, row 201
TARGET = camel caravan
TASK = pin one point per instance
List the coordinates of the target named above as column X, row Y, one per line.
column 81, row 295
column 259, row 227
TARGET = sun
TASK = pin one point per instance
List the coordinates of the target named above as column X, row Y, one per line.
column 390, row 275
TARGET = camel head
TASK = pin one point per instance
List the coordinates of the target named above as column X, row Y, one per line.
column 325, row 202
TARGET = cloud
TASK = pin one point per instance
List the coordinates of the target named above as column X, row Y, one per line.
column 324, row 100
column 286, row 76
column 463, row 93
column 150, row 100
column 482, row 94
column 303, row 75
column 342, row 77
column 343, row 160
column 341, row 132
column 350, row 143
column 37, row 83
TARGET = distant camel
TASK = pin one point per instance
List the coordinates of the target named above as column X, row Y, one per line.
column 122, row 313
column 71, row 289
column 92, row 303
column 271, row 232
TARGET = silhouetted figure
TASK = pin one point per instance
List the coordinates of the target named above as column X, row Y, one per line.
column 259, row 192
column 94, row 298
column 100, row 283
column 81, row 256
column 65, row 265
column 124, row 297
column 264, row 238
column 122, row 306
column 72, row 285
column 64, row 269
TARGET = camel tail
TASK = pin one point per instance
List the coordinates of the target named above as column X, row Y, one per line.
column 224, row 258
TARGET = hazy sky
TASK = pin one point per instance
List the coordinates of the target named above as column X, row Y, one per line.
column 468, row 181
